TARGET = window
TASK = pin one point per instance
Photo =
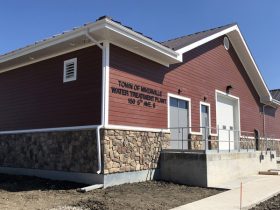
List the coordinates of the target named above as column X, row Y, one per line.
column 226, row 43
column 205, row 120
column 178, row 103
column 70, row 70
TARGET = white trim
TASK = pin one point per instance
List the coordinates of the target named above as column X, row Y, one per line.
column 276, row 102
column 105, row 82
column 42, row 45
column 207, row 39
column 261, row 138
column 238, row 106
column 92, row 27
column 141, row 54
column 247, row 137
column 209, row 115
column 135, row 128
column 140, row 38
column 190, row 110
column 254, row 63
column 66, row 62
column 72, row 128
column 227, row 94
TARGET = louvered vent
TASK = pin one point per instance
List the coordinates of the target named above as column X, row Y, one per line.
column 70, row 70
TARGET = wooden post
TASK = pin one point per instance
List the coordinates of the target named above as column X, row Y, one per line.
column 240, row 195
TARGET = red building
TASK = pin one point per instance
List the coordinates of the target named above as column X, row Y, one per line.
column 101, row 102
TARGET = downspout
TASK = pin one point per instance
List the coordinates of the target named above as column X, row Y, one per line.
column 264, row 124
column 98, row 148
column 103, row 48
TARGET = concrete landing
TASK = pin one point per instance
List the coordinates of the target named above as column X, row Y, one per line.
column 255, row 190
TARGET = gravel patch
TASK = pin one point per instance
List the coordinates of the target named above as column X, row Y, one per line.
column 270, row 204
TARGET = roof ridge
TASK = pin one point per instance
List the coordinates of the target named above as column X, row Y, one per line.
column 234, row 23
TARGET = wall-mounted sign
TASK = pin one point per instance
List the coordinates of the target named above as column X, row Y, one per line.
column 138, row 94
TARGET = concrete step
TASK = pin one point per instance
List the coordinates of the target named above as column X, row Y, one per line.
column 268, row 173
column 275, row 170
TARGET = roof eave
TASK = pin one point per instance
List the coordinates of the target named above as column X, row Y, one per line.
column 276, row 102
column 169, row 56
column 140, row 38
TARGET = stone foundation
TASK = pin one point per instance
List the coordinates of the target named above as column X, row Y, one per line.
column 196, row 142
column 246, row 143
column 270, row 145
column 127, row 151
column 213, row 142
column 69, row 151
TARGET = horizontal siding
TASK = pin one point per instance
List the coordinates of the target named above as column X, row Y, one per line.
column 35, row 96
column 272, row 122
column 205, row 69
column 137, row 72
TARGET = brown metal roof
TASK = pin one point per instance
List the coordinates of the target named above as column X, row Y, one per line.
column 275, row 94
column 183, row 41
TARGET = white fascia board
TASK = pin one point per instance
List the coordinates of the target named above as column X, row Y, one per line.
column 141, row 54
column 255, row 65
column 205, row 40
column 56, row 129
column 105, row 23
column 275, row 103
column 111, row 25
column 65, row 36
column 40, row 46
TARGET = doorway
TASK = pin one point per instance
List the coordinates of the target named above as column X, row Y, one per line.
column 178, row 122
column 227, row 121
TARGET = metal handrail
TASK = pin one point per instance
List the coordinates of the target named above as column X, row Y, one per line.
column 240, row 139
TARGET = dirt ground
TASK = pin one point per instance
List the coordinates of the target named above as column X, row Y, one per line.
column 21, row 192
column 271, row 204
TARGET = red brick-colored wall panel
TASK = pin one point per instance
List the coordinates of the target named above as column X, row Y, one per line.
column 272, row 122
column 35, row 96
column 128, row 67
column 204, row 70
column 209, row 68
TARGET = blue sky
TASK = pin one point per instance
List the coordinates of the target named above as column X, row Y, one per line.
column 24, row 22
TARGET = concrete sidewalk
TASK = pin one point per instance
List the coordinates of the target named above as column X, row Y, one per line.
column 255, row 190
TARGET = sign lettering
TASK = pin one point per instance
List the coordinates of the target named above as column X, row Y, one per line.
column 138, row 94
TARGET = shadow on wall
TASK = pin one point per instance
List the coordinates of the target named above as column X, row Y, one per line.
column 270, row 111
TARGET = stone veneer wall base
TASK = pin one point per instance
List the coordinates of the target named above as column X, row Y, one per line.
column 131, row 177
column 85, row 178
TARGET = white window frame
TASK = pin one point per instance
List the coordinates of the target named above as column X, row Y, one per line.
column 209, row 115
column 169, row 95
column 73, row 60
